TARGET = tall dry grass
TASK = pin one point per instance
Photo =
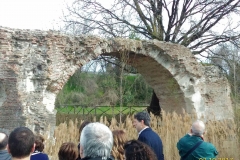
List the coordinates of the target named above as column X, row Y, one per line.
column 223, row 134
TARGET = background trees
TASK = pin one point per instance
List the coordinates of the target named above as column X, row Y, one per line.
column 227, row 57
column 95, row 86
column 196, row 24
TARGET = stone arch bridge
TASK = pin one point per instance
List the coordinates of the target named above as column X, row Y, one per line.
column 35, row 65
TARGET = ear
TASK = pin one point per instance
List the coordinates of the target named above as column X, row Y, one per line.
column 202, row 136
column 191, row 131
column 8, row 149
column 81, row 152
column 33, row 148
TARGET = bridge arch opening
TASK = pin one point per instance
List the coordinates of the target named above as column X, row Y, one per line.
column 168, row 91
column 103, row 82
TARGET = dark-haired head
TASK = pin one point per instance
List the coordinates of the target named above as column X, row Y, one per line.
column 39, row 143
column 21, row 142
column 68, row 151
column 135, row 149
column 143, row 116
column 84, row 123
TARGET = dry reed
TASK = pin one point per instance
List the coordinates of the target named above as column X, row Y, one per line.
column 223, row 134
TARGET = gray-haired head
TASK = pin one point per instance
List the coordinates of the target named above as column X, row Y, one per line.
column 143, row 116
column 3, row 140
column 96, row 140
column 198, row 128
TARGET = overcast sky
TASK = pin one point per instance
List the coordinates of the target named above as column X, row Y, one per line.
column 31, row 14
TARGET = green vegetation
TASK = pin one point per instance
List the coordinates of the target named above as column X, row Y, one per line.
column 102, row 110
column 90, row 113
column 102, row 89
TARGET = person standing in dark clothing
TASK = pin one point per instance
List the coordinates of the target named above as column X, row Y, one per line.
column 38, row 152
column 146, row 135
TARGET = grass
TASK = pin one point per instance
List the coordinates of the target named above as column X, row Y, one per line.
column 223, row 134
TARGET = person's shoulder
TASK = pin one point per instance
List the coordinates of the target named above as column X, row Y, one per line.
column 41, row 156
column 151, row 134
column 147, row 131
column 185, row 138
column 210, row 148
column 209, row 145
column 45, row 156
column 152, row 131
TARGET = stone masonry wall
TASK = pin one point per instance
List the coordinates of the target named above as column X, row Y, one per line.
column 35, row 65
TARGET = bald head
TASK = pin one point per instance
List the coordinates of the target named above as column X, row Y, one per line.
column 3, row 141
column 198, row 128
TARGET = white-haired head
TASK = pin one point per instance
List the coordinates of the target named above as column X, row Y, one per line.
column 198, row 128
column 96, row 140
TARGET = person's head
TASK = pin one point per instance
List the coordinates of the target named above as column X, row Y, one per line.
column 119, row 139
column 68, row 151
column 135, row 149
column 84, row 123
column 198, row 128
column 3, row 141
column 21, row 142
column 141, row 120
column 39, row 146
column 96, row 140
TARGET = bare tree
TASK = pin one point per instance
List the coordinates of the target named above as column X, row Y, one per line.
column 227, row 56
column 197, row 24
column 192, row 23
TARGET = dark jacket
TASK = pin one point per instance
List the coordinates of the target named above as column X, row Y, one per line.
column 39, row 156
column 204, row 151
column 152, row 139
column 4, row 155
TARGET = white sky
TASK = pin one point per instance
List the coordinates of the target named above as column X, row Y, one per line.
column 31, row 14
